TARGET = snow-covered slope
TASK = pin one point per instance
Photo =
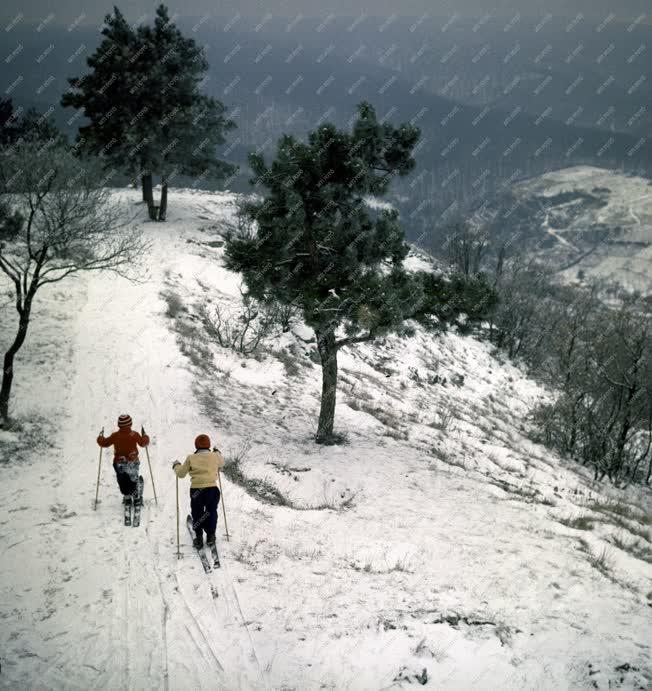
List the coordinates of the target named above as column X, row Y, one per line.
column 431, row 540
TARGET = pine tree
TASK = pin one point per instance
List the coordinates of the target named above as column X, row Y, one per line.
column 183, row 127
column 14, row 126
column 8, row 122
column 108, row 95
column 147, row 115
column 446, row 297
column 312, row 242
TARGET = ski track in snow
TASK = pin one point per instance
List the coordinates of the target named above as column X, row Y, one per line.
column 130, row 628
column 307, row 599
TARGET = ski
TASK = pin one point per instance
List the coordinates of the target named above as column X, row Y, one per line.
column 138, row 502
column 204, row 559
column 215, row 555
column 136, row 520
column 127, row 505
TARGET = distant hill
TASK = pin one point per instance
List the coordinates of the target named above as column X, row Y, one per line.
column 588, row 223
column 276, row 80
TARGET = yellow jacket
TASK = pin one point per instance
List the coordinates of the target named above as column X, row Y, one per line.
column 202, row 466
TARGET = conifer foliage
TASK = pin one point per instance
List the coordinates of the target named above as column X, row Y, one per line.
column 146, row 113
column 17, row 126
column 312, row 241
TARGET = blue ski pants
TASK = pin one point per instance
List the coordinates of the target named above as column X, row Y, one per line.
column 203, row 506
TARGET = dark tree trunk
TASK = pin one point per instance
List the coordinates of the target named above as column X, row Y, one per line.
column 147, row 188
column 148, row 197
column 328, row 354
column 626, row 426
column 8, row 364
column 163, row 208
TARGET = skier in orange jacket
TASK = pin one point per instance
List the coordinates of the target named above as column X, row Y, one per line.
column 125, row 444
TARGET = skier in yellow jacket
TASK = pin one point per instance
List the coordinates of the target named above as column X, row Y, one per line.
column 203, row 466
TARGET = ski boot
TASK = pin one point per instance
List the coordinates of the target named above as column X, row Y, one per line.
column 198, row 542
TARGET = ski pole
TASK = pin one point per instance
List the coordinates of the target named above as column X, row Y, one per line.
column 99, row 467
column 142, row 431
column 226, row 527
column 178, row 548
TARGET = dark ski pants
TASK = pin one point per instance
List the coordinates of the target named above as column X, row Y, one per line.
column 203, row 506
column 127, row 476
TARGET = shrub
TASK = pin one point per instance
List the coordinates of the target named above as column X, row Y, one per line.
column 578, row 523
column 174, row 304
column 243, row 329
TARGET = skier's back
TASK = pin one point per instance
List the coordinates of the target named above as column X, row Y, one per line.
column 125, row 442
column 203, row 466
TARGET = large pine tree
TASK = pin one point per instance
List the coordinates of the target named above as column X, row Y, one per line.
column 313, row 242
column 107, row 95
column 147, row 114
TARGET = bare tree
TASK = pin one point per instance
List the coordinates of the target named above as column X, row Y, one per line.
column 245, row 326
column 601, row 360
column 524, row 316
column 467, row 247
column 57, row 220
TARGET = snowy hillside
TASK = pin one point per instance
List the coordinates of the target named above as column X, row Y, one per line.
column 598, row 221
column 439, row 546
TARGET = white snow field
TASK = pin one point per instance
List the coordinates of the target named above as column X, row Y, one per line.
column 431, row 541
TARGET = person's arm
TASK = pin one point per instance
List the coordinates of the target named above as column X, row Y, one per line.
column 220, row 458
column 105, row 442
column 181, row 469
column 142, row 439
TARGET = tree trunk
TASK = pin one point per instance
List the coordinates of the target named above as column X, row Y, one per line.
column 148, row 197
column 8, row 365
column 328, row 354
column 164, row 199
column 147, row 188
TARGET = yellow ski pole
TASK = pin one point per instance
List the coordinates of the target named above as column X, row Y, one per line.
column 99, row 467
column 226, row 527
column 142, row 431
column 178, row 548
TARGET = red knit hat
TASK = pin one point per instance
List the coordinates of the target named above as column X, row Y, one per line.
column 124, row 421
column 203, row 442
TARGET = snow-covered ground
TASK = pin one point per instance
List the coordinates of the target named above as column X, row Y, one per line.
column 436, row 539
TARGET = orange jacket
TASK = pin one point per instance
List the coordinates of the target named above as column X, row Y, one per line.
column 125, row 442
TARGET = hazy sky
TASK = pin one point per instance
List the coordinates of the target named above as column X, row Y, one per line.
column 68, row 11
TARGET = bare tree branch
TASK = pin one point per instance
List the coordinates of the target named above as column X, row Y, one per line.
column 69, row 225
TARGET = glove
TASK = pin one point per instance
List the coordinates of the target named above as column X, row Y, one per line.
column 175, row 464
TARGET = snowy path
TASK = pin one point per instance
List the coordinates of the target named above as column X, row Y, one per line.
column 123, row 612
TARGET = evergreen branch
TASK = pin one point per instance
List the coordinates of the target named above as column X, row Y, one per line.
column 355, row 339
